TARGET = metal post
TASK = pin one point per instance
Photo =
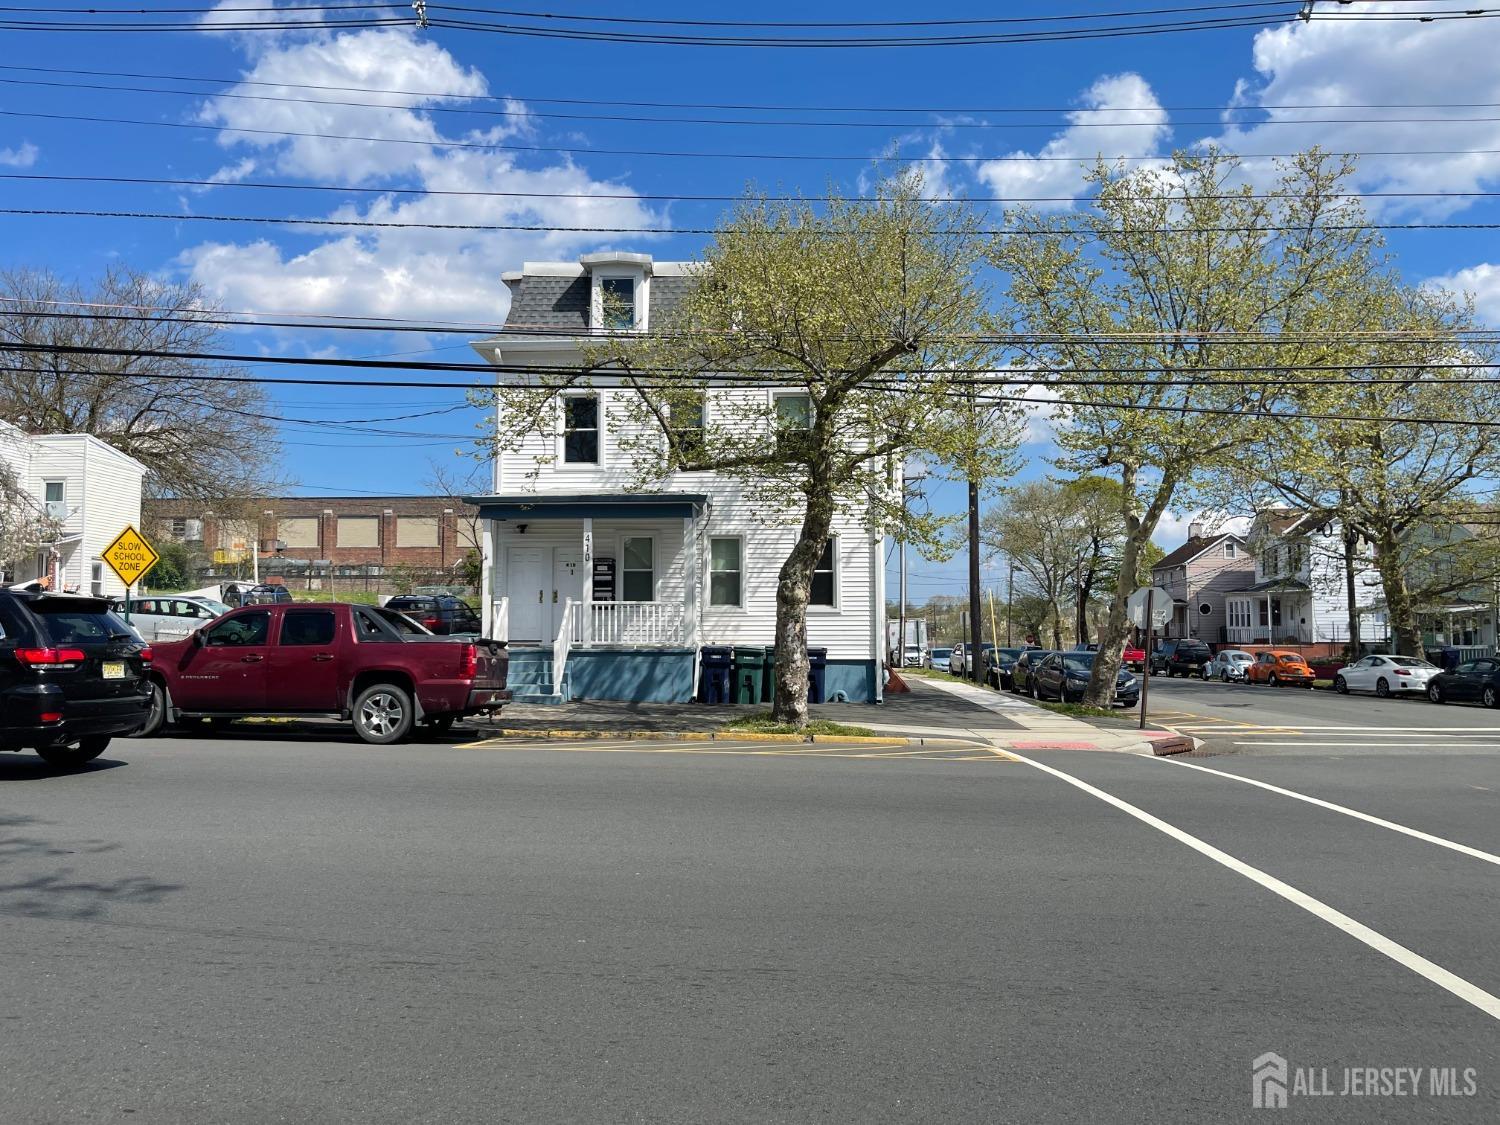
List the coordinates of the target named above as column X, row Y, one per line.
column 1010, row 597
column 127, row 604
column 1146, row 667
column 901, row 617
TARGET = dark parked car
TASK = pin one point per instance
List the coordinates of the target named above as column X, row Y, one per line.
column 1064, row 676
column 998, row 663
column 1180, row 658
column 264, row 594
column 1024, row 668
column 437, row 613
column 1476, row 681
column 72, row 676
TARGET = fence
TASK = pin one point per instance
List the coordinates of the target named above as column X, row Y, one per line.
column 360, row 580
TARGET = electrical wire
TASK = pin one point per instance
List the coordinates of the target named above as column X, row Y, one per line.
column 874, row 200
column 673, row 153
column 747, row 107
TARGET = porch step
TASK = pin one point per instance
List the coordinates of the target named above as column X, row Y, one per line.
column 530, row 677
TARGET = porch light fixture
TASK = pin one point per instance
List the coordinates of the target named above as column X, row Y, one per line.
column 520, row 529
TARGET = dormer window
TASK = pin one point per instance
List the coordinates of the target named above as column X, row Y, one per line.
column 617, row 303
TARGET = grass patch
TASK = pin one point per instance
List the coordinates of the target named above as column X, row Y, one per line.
column 762, row 723
column 353, row 597
column 1323, row 684
column 1077, row 710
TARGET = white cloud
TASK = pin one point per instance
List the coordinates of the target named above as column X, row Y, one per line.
column 1100, row 130
column 23, row 156
column 1172, row 530
column 415, row 273
column 1350, row 62
column 1483, row 281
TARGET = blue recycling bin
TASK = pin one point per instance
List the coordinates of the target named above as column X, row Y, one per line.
column 713, row 680
column 817, row 674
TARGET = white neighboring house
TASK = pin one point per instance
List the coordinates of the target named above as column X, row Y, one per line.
column 607, row 593
column 1299, row 594
column 93, row 491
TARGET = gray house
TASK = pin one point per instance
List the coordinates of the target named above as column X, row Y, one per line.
column 1198, row 575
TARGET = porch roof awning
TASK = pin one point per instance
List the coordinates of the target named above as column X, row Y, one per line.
column 1276, row 586
column 589, row 505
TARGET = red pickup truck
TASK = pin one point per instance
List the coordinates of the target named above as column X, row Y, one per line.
column 1132, row 657
column 372, row 666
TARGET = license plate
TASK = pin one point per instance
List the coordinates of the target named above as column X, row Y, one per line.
column 114, row 670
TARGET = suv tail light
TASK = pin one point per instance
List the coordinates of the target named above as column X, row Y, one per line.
column 52, row 657
column 430, row 623
column 468, row 662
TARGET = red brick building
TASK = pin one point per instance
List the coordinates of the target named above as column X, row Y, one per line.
column 429, row 533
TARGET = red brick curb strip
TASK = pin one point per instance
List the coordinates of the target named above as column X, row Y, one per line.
column 1165, row 744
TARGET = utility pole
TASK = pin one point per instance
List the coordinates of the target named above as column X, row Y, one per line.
column 901, row 619
column 1010, row 597
column 976, row 621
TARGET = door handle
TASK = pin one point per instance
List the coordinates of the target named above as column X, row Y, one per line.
column 554, row 597
column 251, row 659
column 541, row 596
column 322, row 657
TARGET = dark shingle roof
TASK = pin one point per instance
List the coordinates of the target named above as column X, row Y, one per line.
column 545, row 301
column 549, row 302
column 1194, row 544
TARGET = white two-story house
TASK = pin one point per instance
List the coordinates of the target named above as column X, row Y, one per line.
column 88, row 490
column 1299, row 594
column 605, row 591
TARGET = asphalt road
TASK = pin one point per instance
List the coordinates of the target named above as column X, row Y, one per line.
column 286, row 926
column 1239, row 718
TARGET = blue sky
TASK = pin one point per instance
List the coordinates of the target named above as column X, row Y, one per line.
column 1182, row 86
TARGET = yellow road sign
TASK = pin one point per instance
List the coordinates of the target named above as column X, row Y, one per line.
column 130, row 556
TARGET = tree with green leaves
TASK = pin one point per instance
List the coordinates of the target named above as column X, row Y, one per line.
column 867, row 313
column 1394, row 445
column 1167, row 316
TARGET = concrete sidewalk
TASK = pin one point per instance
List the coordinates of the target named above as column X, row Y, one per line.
column 934, row 710
column 1029, row 727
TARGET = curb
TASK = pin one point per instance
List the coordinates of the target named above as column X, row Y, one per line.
column 721, row 736
column 1174, row 744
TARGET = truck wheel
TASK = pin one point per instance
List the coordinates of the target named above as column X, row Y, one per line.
column 156, row 717
column 72, row 755
column 383, row 714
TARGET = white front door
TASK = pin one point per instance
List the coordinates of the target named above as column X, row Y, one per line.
column 567, row 581
column 526, row 586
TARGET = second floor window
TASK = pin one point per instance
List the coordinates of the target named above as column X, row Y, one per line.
column 57, row 505
column 581, row 429
column 794, row 418
column 687, row 418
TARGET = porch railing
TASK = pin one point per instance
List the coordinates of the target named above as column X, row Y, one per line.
column 500, row 619
column 562, row 644
column 630, row 623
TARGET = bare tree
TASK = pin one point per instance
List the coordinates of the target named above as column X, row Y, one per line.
column 115, row 360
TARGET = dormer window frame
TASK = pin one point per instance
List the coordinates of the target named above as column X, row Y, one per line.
column 640, row 280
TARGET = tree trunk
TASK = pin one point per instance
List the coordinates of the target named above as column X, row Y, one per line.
column 1406, row 637
column 1056, row 625
column 1116, row 627
column 792, row 592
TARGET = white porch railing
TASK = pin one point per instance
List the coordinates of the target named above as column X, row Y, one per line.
column 500, row 619
column 563, row 643
column 630, row 623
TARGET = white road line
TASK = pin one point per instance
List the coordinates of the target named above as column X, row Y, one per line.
column 1415, row 743
column 1488, row 857
column 1470, row 993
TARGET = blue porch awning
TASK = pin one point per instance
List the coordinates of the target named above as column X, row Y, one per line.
column 590, row 505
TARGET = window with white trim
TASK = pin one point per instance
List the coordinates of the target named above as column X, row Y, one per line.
column 726, row 571
column 688, row 417
column 55, row 496
column 617, row 303
column 824, row 589
column 581, row 429
column 96, row 578
column 1239, row 614
column 794, row 419
column 638, row 569
column 1229, row 551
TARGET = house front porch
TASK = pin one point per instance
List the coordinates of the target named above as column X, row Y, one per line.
column 1271, row 613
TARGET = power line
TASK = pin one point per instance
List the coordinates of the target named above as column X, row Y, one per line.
column 279, row 220
column 152, row 181
column 1157, row 116
column 673, row 153
column 748, row 107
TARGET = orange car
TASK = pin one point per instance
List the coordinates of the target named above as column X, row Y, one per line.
column 1280, row 666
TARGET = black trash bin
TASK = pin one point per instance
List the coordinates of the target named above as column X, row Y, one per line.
column 713, row 680
column 1448, row 658
column 817, row 674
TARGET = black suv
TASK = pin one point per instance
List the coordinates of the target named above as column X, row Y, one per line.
column 1185, row 656
column 72, row 676
column 437, row 613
